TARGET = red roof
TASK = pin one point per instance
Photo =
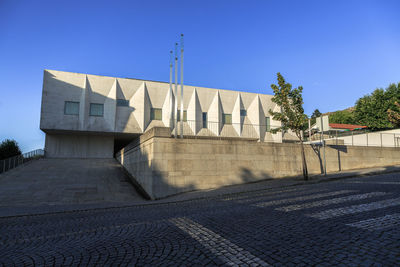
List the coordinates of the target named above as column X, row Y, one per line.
column 346, row 126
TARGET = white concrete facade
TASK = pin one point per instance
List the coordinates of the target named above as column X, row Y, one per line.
column 128, row 105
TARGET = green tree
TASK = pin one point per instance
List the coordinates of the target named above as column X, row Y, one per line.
column 394, row 115
column 314, row 116
column 9, row 148
column 371, row 110
column 292, row 115
column 342, row 116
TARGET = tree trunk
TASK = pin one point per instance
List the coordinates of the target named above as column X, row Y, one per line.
column 303, row 160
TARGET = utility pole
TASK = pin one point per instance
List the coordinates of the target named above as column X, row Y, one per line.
column 181, row 86
column 323, row 143
column 171, row 106
column 176, row 91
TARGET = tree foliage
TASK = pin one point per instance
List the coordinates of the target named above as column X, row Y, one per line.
column 342, row 116
column 9, row 148
column 394, row 115
column 292, row 115
column 291, row 102
column 315, row 115
column 372, row 110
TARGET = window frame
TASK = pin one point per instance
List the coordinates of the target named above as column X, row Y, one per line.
column 267, row 124
column 153, row 114
column 224, row 116
column 96, row 104
column 204, row 118
column 178, row 117
column 71, row 102
column 122, row 102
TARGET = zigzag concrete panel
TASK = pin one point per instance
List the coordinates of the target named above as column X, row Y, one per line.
column 74, row 103
column 194, row 113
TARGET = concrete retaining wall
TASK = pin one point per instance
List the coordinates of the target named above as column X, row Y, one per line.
column 79, row 146
column 164, row 166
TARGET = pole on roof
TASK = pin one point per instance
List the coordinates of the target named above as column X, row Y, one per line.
column 176, row 91
column 309, row 129
column 181, row 85
column 171, row 104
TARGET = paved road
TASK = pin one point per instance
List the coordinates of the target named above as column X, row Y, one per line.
column 348, row 222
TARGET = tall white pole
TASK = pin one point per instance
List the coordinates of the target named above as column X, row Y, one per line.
column 176, row 90
column 323, row 143
column 171, row 104
column 181, row 86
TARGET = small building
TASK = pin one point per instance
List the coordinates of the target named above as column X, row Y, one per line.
column 325, row 126
column 345, row 127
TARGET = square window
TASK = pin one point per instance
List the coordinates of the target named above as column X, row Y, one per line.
column 184, row 115
column 204, row 119
column 227, row 118
column 71, row 108
column 96, row 110
column 122, row 103
column 156, row 114
column 243, row 112
column 267, row 124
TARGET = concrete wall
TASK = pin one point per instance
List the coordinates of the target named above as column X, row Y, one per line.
column 79, row 146
column 59, row 86
column 165, row 166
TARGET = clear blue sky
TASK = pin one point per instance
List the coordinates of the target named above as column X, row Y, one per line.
column 337, row 50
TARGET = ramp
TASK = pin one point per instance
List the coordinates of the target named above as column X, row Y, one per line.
column 66, row 181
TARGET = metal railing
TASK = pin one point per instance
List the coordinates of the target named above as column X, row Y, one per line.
column 221, row 129
column 357, row 138
column 11, row 163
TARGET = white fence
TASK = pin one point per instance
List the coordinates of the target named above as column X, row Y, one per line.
column 353, row 138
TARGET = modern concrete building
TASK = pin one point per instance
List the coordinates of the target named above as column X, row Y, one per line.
column 91, row 116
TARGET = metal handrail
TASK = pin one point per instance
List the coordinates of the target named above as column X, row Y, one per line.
column 15, row 161
column 357, row 138
column 223, row 129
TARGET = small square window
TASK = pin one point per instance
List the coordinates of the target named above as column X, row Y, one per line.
column 156, row 114
column 204, row 119
column 227, row 118
column 71, row 108
column 122, row 103
column 184, row 115
column 243, row 112
column 267, row 124
column 96, row 110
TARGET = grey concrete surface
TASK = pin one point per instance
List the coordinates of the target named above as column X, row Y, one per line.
column 134, row 118
column 79, row 146
column 142, row 95
column 65, row 181
column 166, row 166
column 25, row 207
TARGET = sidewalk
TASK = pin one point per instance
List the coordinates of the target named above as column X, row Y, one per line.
column 18, row 210
column 281, row 182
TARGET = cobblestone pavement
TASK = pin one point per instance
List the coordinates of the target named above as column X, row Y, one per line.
column 347, row 222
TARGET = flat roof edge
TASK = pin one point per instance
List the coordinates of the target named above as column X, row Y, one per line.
column 230, row 90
